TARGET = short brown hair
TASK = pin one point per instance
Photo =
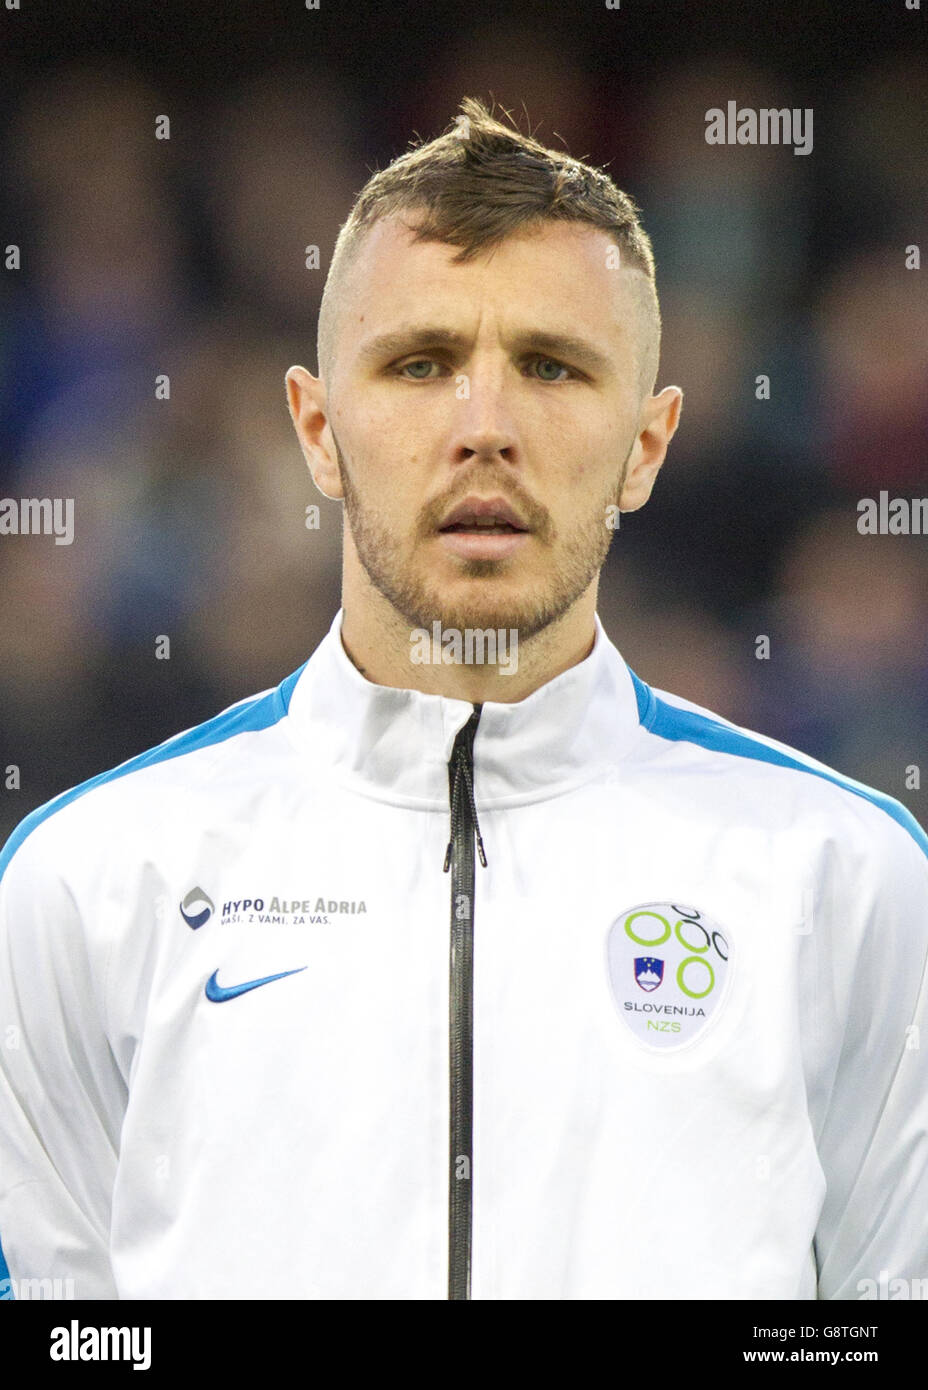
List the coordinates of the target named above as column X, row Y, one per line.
column 477, row 184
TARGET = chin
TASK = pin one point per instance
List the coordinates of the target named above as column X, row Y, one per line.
column 497, row 611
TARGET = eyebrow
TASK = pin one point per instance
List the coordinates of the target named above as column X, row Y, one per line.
column 421, row 337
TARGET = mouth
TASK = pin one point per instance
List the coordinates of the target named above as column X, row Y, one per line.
column 483, row 529
column 480, row 516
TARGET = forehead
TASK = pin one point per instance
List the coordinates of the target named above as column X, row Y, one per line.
column 557, row 276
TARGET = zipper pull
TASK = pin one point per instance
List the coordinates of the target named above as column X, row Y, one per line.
column 480, row 850
column 460, row 769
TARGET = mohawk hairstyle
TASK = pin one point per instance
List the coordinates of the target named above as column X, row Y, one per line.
column 477, row 184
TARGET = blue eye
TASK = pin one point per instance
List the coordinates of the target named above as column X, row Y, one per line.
column 425, row 362
column 550, row 362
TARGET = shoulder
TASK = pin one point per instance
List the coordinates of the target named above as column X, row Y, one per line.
column 149, row 783
column 776, row 776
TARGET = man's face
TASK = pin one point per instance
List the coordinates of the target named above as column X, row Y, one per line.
column 477, row 397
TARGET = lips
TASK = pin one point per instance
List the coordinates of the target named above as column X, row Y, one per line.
column 483, row 515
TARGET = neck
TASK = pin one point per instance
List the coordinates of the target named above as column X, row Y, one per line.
column 377, row 639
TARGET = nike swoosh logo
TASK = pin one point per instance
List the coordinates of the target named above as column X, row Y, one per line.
column 220, row 993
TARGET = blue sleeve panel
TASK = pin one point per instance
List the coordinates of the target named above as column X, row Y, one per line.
column 6, row 1285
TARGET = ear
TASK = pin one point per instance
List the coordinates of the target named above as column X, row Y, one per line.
column 306, row 397
column 657, row 424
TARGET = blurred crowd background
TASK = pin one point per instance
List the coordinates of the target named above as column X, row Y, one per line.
column 185, row 257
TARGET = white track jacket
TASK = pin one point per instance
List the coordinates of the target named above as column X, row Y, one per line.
column 670, row 1041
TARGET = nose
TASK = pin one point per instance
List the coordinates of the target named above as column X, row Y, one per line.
column 483, row 426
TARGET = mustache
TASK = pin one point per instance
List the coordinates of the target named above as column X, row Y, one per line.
column 534, row 516
column 485, row 482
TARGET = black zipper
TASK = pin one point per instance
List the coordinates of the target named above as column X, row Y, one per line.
column 460, row 859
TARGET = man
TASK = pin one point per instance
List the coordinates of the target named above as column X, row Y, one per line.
column 464, row 964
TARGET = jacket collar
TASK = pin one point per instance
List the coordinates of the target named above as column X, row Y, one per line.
column 395, row 744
